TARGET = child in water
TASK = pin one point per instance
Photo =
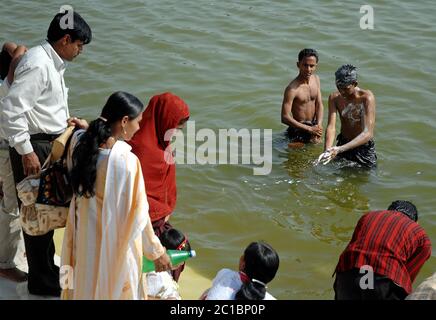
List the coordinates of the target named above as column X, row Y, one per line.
column 257, row 267
column 161, row 285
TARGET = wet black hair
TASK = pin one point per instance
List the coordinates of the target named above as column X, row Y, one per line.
column 346, row 75
column 85, row 154
column 308, row 53
column 406, row 207
column 171, row 239
column 80, row 31
column 261, row 264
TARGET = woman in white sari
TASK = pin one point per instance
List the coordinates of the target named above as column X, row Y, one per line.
column 108, row 228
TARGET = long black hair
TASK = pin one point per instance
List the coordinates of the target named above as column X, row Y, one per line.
column 85, row 154
column 261, row 264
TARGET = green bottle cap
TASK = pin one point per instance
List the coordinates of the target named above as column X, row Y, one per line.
column 193, row 253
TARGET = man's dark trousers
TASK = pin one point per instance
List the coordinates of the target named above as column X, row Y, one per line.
column 43, row 277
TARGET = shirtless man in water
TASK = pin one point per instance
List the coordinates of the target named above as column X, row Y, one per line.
column 356, row 109
column 302, row 107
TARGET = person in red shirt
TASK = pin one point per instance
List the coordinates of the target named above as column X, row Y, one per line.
column 384, row 256
column 164, row 114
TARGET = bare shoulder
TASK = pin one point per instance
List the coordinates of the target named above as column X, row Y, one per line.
column 367, row 96
column 294, row 84
column 334, row 96
column 292, row 87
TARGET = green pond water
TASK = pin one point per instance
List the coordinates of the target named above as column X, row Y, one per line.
column 230, row 61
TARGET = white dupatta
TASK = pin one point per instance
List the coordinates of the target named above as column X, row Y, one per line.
column 125, row 234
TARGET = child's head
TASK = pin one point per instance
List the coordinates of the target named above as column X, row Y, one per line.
column 260, row 263
column 173, row 239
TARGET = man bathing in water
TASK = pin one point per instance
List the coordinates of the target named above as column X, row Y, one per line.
column 356, row 109
column 302, row 107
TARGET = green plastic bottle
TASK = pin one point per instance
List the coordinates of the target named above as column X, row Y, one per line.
column 176, row 257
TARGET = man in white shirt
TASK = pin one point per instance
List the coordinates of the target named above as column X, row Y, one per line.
column 34, row 112
column 11, row 242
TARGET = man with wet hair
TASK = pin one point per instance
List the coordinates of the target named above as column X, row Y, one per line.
column 384, row 256
column 356, row 109
column 302, row 107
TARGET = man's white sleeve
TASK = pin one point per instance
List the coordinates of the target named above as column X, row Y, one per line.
column 4, row 88
column 21, row 98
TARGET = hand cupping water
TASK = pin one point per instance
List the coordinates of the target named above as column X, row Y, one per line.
column 327, row 155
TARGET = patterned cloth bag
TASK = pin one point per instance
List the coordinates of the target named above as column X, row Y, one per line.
column 46, row 197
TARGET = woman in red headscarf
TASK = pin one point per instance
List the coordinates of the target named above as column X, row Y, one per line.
column 151, row 145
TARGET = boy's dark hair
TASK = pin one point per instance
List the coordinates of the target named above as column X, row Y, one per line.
column 406, row 207
column 308, row 53
column 261, row 264
column 346, row 75
column 80, row 31
column 172, row 239
column 5, row 62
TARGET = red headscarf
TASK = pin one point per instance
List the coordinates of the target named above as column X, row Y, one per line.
column 163, row 113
